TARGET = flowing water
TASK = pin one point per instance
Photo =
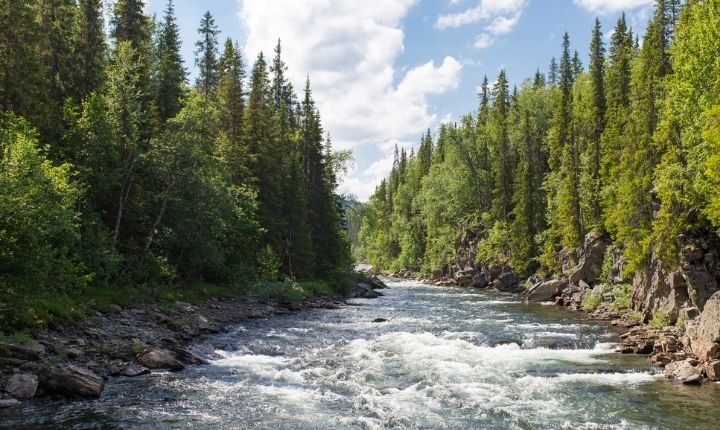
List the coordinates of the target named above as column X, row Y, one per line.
column 445, row 359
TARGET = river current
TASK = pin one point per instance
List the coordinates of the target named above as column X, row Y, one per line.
column 444, row 359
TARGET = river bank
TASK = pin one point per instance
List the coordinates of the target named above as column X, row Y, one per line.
column 75, row 359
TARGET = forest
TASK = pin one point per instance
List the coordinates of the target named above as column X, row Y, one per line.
column 627, row 147
column 117, row 174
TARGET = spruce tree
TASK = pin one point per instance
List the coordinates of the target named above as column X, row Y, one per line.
column 597, row 120
column 171, row 72
column 89, row 50
column 206, row 55
column 502, row 157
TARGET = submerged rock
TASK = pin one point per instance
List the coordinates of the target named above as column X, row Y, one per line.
column 71, row 380
column 7, row 403
column 379, row 320
column 22, row 386
column 160, row 359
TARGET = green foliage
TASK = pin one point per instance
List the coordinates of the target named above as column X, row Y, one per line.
column 659, row 319
column 268, row 264
column 622, row 296
column 591, row 300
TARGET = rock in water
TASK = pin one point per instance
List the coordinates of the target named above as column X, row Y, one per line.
column 72, row 380
column 7, row 403
column 545, row 291
column 190, row 357
column 22, row 386
column 684, row 371
column 160, row 359
column 379, row 320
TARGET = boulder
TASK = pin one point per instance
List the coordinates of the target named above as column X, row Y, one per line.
column 379, row 320
column 22, row 386
column 71, row 380
column 544, row 291
column 190, row 357
column 33, row 351
column 363, row 290
column 589, row 265
column 436, row 274
column 7, row 403
column 130, row 370
column 712, row 370
column 480, row 281
column 684, row 371
column 507, row 282
column 702, row 336
column 160, row 359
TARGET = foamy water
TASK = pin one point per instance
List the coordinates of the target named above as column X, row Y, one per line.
column 445, row 359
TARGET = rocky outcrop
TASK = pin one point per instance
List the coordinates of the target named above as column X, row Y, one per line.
column 71, row 380
column 466, row 248
column 22, row 386
column 654, row 289
column 702, row 336
column 507, row 282
column 547, row 290
column 160, row 359
column 589, row 265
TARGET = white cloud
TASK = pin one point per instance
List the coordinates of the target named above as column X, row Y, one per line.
column 483, row 41
column 605, row 7
column 499, row 16
column 349, row 49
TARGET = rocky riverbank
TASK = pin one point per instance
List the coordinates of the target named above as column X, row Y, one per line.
column 671, row 315
column 77, row 360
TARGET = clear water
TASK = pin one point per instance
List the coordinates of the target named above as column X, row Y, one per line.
column 446, row 359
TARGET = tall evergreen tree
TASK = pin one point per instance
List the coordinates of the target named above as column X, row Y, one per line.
column 206, row 55
column 129, row 24
column 597, row 119
column 89, row 49
column 171, row 72
column 502, row 157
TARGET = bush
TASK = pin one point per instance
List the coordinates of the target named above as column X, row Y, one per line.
column 622, row 295
column 659, row 319
column 591, row 301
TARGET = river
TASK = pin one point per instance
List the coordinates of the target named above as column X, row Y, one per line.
column 444, row 359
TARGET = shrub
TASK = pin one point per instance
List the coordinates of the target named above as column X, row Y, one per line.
column 622, row 295
column 591, row 300
column 659, row 318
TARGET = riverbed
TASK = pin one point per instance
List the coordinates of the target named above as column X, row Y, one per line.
column 446, row 358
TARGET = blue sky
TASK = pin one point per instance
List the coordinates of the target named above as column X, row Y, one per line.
column 385, row 70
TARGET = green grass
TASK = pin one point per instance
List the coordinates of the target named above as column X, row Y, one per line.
column 22, row 312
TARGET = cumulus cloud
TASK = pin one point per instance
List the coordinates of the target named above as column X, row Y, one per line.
column 499, row 16
column 349, row 49
column 605, row 7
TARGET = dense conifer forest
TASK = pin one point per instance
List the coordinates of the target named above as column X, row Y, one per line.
column 117, row 173
column 626, row 145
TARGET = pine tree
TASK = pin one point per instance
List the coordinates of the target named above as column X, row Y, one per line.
column 56, row 21
column 89, row 50
column 171, row 72
column 553, row 72
column 206, row 55
column 502, row 157
column 597, row 119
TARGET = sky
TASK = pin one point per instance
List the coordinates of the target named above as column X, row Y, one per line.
column 385, row 71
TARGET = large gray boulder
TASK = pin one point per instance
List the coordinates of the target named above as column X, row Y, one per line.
column 702, row 336
column 160, row 359
column 507, row 282
column 71, row 380
column 590, row 263
column 22, row 386
column 548, row 290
